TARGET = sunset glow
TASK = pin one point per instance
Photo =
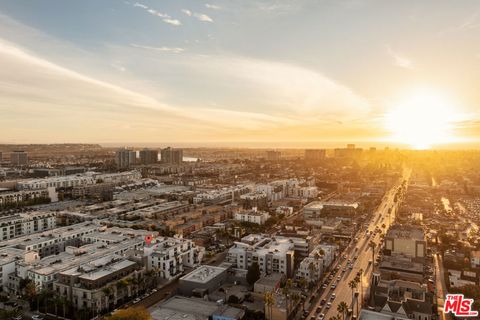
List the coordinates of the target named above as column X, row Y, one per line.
column 422, row 120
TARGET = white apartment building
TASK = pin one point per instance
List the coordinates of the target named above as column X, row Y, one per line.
column 253, row 216
column 305, row 192
column 273, row 255
column 118, row 177
column 319, row 259
column 274, row 190
column 311, row 269
column 53, row 241
column 56, row 182
column 21, row 224
column 44, row 272
column 220, row 195
column 168, row 256
column 285, row 210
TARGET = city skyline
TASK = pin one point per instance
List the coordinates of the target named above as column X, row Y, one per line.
column 240, row 73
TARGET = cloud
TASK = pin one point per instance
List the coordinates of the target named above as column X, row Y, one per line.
column 118, row 66
column 280, row 89
column 174, row 22
column 399, row 60
column 212, row 6
column 139, row 5
column 202, row 17
column 165, row 17
column 187, row 12
column 253, row 98
column 469, row 23
column 160, row 49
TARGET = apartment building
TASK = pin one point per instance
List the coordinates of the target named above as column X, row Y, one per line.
column 56, row 182
column 407, row 240
column 221, row 195
column 171, row 156
column 13, row 197
column 20, row 224
column 125, row 158
column 169, row 256
column 44, row 272
column 118, row 177
column 252, row 216
column 310, row 269
column 93, row 285
column 148, row 156
column 19, row 158
column 398, row 299
column 53, row 241
column 273, row 255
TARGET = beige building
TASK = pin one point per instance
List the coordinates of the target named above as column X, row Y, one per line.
column 407, row 240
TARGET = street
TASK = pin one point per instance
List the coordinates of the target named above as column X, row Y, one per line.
column 362, row 249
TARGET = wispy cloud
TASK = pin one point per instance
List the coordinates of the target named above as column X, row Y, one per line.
column 118, row 66
column 212, row 6
column 202, row 17
column 139, row 5
column 160, row 49
column 174, row 22
column 399, row 60
column 187, row 12
column 165, row 17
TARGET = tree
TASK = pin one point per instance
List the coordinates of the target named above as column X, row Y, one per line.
column 372, row 246
column 353, row 285
column 286, row 292
column 342, row 308
column 269, row 300
column 107, row 291
column 132, row 313
column 253, row 273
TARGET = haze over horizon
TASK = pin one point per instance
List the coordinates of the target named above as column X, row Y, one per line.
column 240, row 73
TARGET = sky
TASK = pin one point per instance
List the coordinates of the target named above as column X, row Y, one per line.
column 236, row 71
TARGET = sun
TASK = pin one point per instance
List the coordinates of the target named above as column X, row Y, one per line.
column 422, row 120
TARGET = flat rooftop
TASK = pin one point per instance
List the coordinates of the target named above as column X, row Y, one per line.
column 203, row 274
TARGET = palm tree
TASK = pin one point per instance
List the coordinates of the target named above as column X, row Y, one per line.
column 57, row 300
column 312, row 269
column 295, row 299
column 63, row 302
column 107, row 291
column 360, row 276
column 353, row 285
column 302, row 283
column 269, row 300
column 286, row 292
column 372, row 246
column 342, row 308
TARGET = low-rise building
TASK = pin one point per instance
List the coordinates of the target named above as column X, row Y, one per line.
column 183, row 308
column 20, row 224
column 203, row 280
column 24, row 196
column 95, row 285
column 408, row 240
column 253, row 216
column 169, row 256
column 273, row 255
